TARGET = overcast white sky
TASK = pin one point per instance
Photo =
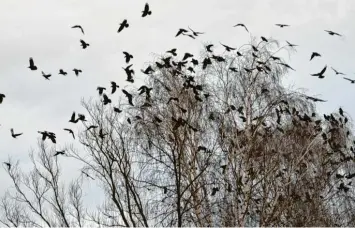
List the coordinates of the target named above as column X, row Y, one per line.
column 41, row 29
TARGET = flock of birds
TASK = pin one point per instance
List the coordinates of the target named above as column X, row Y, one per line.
column 168, row 63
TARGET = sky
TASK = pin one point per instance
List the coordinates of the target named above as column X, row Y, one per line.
column 42, row 29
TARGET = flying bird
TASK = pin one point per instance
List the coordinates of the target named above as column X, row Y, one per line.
column 106, row 99
column 332, row 33
column 208, row 47
column 62, row 72
column 2, row 96
column 32, row 64
column 148, row 70
column 314, row 54
column 291, row 45
column 227, row 47
column 100, row 89
column 195, row 33
column 187, row 55
column 129, row 96
column 320, row 74
column 79, row 27
column 84, row 44
column 114, row 86
column 315, row 99
column 13, row 134
column 172, row 51
column 129, row 73
column 146, row 10
column 282, row 25
column 46, row 76
column 77, row 71
column 337, row 72
column 123, row 25
column 127, row 56
column 181, row 31
column 242, row 26
column 286, row 65
column 264, row 39
column 351, row 80
column 70, row 132
column 72, row 118
column 59, row 152
column 92, row 127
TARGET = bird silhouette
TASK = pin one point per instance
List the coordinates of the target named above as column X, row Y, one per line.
column 264, row 39
column 114, row 86
column 314, row 54
column 341, row 112
column 77, row 71
column 227, row 47
column 62, row 72
column 291, row 45
column 186, row 56
column 181, row 31
column 207, row 61
column 117, row 110
column 92, row 127
column 72, row 118
column 148, row 70
column 351, row 80
column 337, row 72
column 32, row 64
column 2, row 96
column 195, row 33
column 59, row 153
column 282, row 25
column 46, row 134
column 194, row 62
column 172, row 51
column 46, row 76
column 13, row 134
column 127, row 56
column 79, row 27
column 146, row 10
column 106, row 99
column 233, row 69
column 129, row 73
column 129, row 96
column 286, row 65
column 320, row 74
column 100, row 89
column 8, row 165
column 123, row 25
column 315, row 99
column 70, row 132
column 84, row 44
column 332, row 33
column 81, row 117
column 102, row 134
column 208, row 47
column 240, row 24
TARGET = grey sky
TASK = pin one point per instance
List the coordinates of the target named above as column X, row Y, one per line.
column 42, row 29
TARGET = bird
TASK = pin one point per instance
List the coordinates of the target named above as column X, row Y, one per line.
column 187, row 55
column 146, row 10
column 32, row 64
column 50, row 135
column 114, row 86
column 92, row 127
column 46, row 76
column 106, row 99
column 115, row 109
column 13, row 134
column 70, row 132
column 282, row 25
column 84, row 44
column 59, row 152
column 315, row 99
column 123, row 25
column 2, row 96
column 195, row 33
column 172, row 51
column 100, row 89
column 227, row 47
column 208, row 47
column 148, row 70
column 127, row 56
column 341, row 112
column 351, row 80
column 72, row 118
column 101, row 134
column 242, row 26
column 286, row 65
column 129, row 73
column 8, row 165
column 77, row 71
column 181, row 31
column 264, row 39
column 291, row 45
column 314, row 54
column 81, row 117
column 62, row 72
column 207, row 61
column 129, row 96
column 332, row 33
column 337, row 72
column 79, row 27
column 320, row 74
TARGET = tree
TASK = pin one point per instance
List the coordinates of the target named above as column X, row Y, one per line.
column 209, row 141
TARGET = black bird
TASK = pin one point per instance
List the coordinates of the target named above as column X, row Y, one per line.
column 72, row 118
column 129, row 96
column 46, row 76
column 81, row 117
column 144, row 89
column 194, row 61
column 2, row 96
column 208, row 47
column 129, row 121
column 352, row 81
column 172, row 51
column 181, row 31
column 123, row 25
column 275, row 58
column 320, row 74
column 92, row 127
column 32, row 64
column 117, row 110
column 332, row 33
column 70, row 131
column 146, row 10
column 129, row 73
column 148, row 70
column 8, row 165
column 59, row 152
column 254, row 48
column 264, row 39
column 286, row 65
column 77, row 71
column 114, row 86
column 13, row 134
column 44, row 134
column 242, row 26
column 291, row 45
column 337, row 72
column 78, row 26
column 233, row 69
column 314, row 99
column 314, row 54
column 127, row 56
column 84, row 44
column 206, row 62
column 282, row 25
column 187, row 55
column 195, row 33
column 62, row 72
column 106, row 99
column 101, row 134
column 341, row 112
column 227, row 47
column 101, row 89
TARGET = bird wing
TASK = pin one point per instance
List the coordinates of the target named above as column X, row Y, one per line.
column 31, row 62
column 12, row 131
column 348, row 79
column 324, row 69
column 146, row 7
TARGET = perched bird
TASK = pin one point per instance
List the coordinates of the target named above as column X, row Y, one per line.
column 59, row 153
column 123, row 25
column 32, row 64
column 84, row 44
column 46, row 76
column 227, row 47
column 332, row 33
column 72, row 118
column 337, row 72
column 172, row 51
column 100, row 89
column 50, row 135
column 127, row 56
column 13, row 134
column 181, row 31
column 70, row 132
column 62, row 72
column 351, row 80
column 129, row 73
column 195, row 33
column 242, row 26
column 79, row 27
column 2, row 96
column 208, row 47
column 320, row 74
column 106, row 99
column 77, row 71
column 114, row 86
column 129, row 96
column 314, row 54
column 282, row 25
column 146, row 10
